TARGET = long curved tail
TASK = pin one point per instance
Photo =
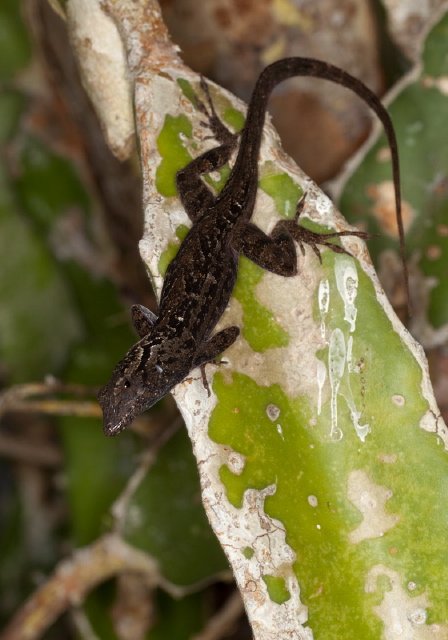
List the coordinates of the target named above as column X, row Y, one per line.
column 281, row 70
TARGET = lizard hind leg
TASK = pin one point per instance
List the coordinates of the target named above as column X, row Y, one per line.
column 313, row 239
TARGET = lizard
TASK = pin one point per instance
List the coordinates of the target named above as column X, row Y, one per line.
column 200, row 279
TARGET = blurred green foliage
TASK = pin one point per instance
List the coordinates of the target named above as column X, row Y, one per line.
column 418, row 114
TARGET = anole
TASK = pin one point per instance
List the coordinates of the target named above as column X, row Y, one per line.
column 200, row 279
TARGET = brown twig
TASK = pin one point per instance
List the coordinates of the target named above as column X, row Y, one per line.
column 45, row 455
column 74, row 578
column 18, row 398
column 224, row 621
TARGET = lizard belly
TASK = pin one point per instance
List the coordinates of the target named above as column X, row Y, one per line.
column 198, row 284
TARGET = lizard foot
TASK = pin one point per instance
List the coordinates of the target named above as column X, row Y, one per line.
column 204, row 377
column 304, row 236
column 220, row 132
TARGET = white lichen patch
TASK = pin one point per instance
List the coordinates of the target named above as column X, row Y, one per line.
column 278, row 365
column 273, row 412
column 235, row 461
column 434, row 423
column 404, row 616
column 398, row 400
column 370, row 499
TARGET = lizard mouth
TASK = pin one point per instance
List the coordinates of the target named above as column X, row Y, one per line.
column 111, row 428
column 112, row 425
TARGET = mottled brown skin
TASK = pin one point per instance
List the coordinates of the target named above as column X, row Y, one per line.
column 200, row 279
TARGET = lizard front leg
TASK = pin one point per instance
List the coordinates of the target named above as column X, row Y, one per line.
column 143, row 319
column 194, row 194
column 220, row 132
column 212, row 348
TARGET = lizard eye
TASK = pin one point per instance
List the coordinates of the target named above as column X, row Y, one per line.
column 126, row 384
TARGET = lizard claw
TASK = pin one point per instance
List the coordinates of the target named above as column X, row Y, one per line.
column 204, row 379
column 305, row 236
column 299, row 207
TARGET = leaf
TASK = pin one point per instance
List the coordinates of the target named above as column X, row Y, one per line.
column 311, row 444
column 418, row 113
column 166, row 519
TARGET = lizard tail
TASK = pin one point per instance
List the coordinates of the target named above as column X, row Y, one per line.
column 281, row 70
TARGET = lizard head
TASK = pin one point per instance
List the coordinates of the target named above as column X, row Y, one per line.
column 137, row 383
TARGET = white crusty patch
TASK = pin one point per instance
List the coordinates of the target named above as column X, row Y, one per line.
column 370, row 499
column 404, row 616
